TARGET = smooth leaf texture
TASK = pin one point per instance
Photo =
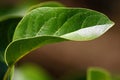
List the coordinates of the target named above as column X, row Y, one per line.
column 9, row 18
column 47, row 25
column 98, row 74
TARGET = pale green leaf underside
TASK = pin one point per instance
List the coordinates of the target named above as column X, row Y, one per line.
column 47, row 25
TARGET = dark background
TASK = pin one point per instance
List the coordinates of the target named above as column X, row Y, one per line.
column 64, row 57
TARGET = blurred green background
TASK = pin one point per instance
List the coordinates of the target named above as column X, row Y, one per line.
column 69, row 57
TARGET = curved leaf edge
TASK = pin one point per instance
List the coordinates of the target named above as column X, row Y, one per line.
column 19, row 15
column 85, row 33
column 109, row 25
column 62, row 37
column 6, row 60
column 36, row 37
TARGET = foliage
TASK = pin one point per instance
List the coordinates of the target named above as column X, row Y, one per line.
column 23, row 31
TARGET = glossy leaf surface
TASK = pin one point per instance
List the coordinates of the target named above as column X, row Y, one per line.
column 9, row 18
column 47, row 25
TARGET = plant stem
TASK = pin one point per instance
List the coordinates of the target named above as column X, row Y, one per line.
column 9, row 73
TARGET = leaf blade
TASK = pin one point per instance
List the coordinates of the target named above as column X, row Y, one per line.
column 6, row 32
column 49, row 24
column 7, row 27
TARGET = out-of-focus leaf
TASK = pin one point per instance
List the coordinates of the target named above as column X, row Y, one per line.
column 115, row 77
column 98, row 74
column 31, row 72
column 16, row 11
column 47, row 4
column 19, row 11
column 7, row 28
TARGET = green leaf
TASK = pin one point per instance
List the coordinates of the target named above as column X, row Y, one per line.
column 9, row 18
column 7, row 28
column 31, row 72
column 98, row 74
column 47, row 25
column 43, row 26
